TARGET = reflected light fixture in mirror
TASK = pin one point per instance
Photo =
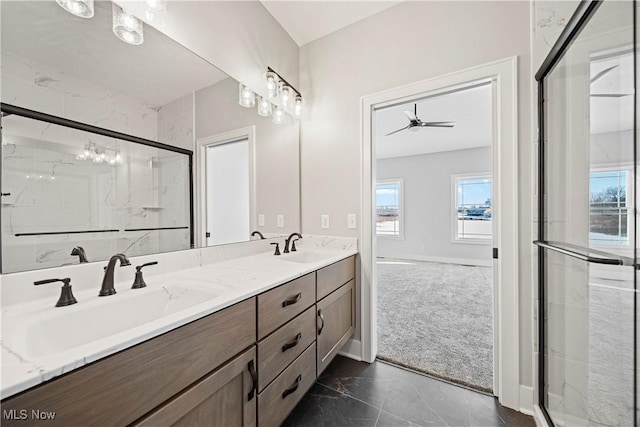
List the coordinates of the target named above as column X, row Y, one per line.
column 81, row 8
column 264, row 107
column 127, row 27
column 297, row 108
column 278, row 116
column 272, row 84
column 285, row 96
column 246, row 97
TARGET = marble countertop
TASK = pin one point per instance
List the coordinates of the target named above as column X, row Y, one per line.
column 26, row 364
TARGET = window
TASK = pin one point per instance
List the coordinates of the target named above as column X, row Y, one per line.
column 472, row 210
column 608, row 208
column 389, row 208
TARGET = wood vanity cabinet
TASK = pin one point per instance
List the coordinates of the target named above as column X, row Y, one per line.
column 120, row 389
column 224, row 398
column 335, row 309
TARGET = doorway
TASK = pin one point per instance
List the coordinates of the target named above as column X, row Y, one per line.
column 506, row 354
column 434, row 234
column 226, row 187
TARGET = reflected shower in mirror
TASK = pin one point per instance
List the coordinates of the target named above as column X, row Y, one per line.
column 74, row 68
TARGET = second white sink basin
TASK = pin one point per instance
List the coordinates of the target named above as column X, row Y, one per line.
column 305, row 257
column 65, row 328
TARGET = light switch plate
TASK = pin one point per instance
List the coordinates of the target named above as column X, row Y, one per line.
column 351, row 221
column 261, row 220
column 324, row 221
column 280, row 220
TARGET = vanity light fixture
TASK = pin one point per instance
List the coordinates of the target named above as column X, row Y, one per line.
column 246, row 97
column 297, row 107
column 290, row 98
column 272, row 83
column 81, row 8
column 278, row 116
column 264, row 107
column 127, row 27
column 158, row 6
column 285, row 96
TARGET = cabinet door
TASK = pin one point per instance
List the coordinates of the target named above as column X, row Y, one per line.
column 225, row 398
column 335, row 322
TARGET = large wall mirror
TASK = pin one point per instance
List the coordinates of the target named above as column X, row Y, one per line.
column 58, row 194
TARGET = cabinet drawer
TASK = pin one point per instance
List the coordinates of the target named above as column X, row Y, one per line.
column 283, row 303
column 281, row 396
column 282, row 347
column 335, row 275
column 336, row 322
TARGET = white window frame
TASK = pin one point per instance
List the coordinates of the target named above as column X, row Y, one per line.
column 630, row 203
column 454, row 209
column 400, row 182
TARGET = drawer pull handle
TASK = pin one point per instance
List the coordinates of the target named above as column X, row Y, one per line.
column 293, row 300
column 322, row 324
column 293, row 343
column 293, row 388
column 254, row 380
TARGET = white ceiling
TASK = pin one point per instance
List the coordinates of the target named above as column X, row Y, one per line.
column 308, row 20
column 469, row 108
column 153, row 72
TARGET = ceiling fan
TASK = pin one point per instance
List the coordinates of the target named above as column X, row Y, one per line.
column 415, row 122
column 606, row 95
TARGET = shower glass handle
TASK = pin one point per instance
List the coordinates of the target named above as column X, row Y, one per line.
column 583, row 253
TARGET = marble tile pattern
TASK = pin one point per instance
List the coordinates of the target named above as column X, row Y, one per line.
column 233, row 272
column 176, row 122
column 351, row 393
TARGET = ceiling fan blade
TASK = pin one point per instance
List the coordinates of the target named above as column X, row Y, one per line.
column 410, row 116
column 396, row 131
column 602, row 73
column 438, row 124
column 610, row 95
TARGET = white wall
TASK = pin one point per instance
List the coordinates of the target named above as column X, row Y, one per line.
column 428, row 212
column 239, row 37
column 406, row 43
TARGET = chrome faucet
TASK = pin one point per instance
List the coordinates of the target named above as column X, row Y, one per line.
column 107, row 281
column 289, row 241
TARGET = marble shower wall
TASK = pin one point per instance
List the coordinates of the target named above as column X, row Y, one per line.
column 148, row 190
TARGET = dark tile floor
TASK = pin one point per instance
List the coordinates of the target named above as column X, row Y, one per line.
column 351, row 393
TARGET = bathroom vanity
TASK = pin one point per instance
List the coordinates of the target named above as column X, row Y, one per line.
column 244, row 358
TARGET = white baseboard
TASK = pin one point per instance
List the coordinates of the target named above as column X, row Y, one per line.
column 447, row 260
column 352, row 349
column 526, row 400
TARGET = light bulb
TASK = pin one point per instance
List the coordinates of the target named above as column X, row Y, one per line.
column 81, row 8
column 297, row 108
column 127, row 27
column 246, row 97
column 285, row 97
column 278, row 116
column 264, row 107
column 159, row 6
column 272, row 84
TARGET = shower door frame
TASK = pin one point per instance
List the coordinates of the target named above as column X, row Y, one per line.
column 581, row 17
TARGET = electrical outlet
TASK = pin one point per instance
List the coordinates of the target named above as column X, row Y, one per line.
column 280, row 220
column 351, row 221
column 261, row 220
column 324, row 220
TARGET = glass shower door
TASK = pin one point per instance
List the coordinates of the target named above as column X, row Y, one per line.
column 587, row 234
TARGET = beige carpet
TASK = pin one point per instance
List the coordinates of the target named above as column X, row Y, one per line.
column 437, row 318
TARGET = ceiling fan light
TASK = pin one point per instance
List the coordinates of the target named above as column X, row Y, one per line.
column 127, row 27
column 81, row 8
column 246, row 97
column 264, row 107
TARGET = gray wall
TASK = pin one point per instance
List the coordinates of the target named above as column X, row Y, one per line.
column 378, row 53
column 428, row 214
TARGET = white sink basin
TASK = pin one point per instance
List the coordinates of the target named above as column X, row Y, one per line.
column 65, row 328
column 305, row 257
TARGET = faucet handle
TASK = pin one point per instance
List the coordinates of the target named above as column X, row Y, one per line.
column 66, row 295
column 277, row 252
column 139, row 282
